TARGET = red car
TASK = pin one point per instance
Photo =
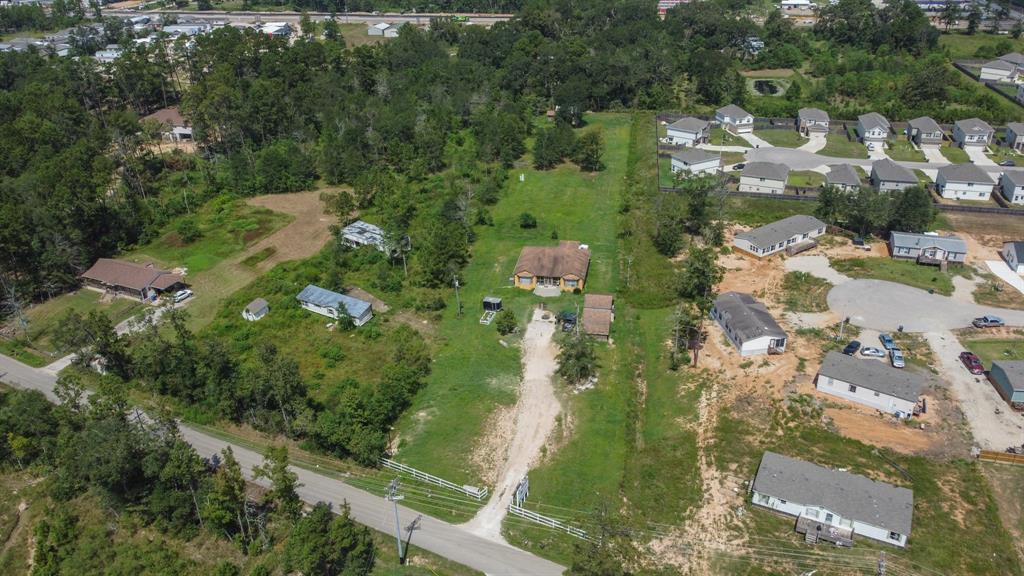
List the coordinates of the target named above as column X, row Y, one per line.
column 972, row 362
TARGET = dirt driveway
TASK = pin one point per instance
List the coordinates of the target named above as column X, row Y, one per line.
column 535, row 415
column 979, row 401
column 306, row 235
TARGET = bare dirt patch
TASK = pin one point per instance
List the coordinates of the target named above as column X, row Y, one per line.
column 305, row 236
column 883, row 432
column 377, row 304
column 491, row 449
column 1006, row 481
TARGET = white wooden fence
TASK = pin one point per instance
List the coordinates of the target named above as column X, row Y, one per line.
column 472, row 491
column 544, row 520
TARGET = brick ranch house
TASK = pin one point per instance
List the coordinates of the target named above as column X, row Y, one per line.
column 564, row 266
column 140, row 281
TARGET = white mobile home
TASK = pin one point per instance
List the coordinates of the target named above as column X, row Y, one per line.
column 871, row 383
column 927, row 248
column 334, row 305
column 833, row 505
column 779, row 235
column 361, row 233
column 748, row 324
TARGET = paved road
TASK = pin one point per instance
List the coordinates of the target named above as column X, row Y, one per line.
column 441, row 538
column 803, row 160
column 346, row 18
column 885, row 306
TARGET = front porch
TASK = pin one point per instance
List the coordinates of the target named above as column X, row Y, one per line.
column 815, row 530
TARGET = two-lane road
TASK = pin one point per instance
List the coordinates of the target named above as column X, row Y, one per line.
column 441, row 538
column 293, row 17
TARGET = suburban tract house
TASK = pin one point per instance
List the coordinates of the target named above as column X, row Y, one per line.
column 1015, row 135
column 563, row 266
column 972, row 133
column 924, row 132
column 792, row 232
column 1011, row 186
column 735, row 119
column 873, row 128
column 833, row 505
column 812, row 120
column 888, row 176
column 1013, row 253
column 748, row 324
column 871, row 383
column 764, row 178
column 844, row 177
column 333, row 305
column 964, row 182
column 688, row 131
column 696, row 161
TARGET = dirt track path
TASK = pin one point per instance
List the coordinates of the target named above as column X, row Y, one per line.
column 535, row 415
column 306, row 235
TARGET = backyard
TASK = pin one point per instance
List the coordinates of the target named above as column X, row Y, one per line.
column 720, row 137
column 805, row 179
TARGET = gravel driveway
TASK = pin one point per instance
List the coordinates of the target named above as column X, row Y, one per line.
column 993, row 424
column 885, row 306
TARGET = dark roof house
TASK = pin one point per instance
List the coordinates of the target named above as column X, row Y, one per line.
column 568, row 258
column 138, row 279
column 843, row 176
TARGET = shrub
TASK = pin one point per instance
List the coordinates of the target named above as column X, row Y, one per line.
column 188, row 230
column 506, row 322
column 527, row 220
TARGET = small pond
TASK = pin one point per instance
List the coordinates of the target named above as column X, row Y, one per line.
column 766, row 87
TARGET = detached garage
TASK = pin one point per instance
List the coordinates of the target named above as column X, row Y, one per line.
column 1008, row 378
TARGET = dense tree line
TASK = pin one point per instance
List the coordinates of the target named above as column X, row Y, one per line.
column 143, row 468
column 869, row 211
column 23, row 17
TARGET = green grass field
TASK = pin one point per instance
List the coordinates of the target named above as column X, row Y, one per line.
column 761, row 211
column 921, row 176
column 44, row 319
column 838, row 146
column 954, row 154
column 995, row 349
column 805, row 179
column 720, row 137
column 962, row 45
column 901, row 271
column 999, row 153
column 473, row 373
column 902, row 150
column 784, row 137
column 802, row 292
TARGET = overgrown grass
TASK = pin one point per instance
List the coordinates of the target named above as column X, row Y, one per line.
column 961, row 45
column 901, row 271
column 901, row 150
column 999, row 153
column 952, row 500
column 22, row 352
column 722, row 137
column 838, row 146
column 954, row 154
column 473, row 373
column 802, row 292
column 761, row 211
column 786, row 138
column 994, row 291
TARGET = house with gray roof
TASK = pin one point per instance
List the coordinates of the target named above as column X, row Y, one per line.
column 359, row 233
column 924, row 132
column 688, row 131
column 833, row 505
column 812, row 120
column 843, row 177
column 998, row 70
column 888, row 176
column 255, row 310
column 764, row 178
column 1011, row 186
column 972, row 133
column 1007, row 376
column 735, row 119
column 333, row 305
column 870, row 382
column 927, row 248
column 792, row 232
column 1013, row 253
column 748, row 324
column 964, row 182
column 696, row 162
column 1015, row 58
column 1015, row 136
column 873, row 128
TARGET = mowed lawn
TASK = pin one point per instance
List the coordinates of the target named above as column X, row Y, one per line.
column 996, row 349
column 784, row 137
column 473, row 373
column 839, row 146
column 903, row 272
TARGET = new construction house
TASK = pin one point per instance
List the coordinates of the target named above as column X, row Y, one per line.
column 793, row 234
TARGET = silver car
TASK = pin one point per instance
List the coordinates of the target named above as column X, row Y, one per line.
column 872, row 352
column 896, row 357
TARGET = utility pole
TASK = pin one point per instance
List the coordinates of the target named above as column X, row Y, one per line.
column 394, row 497
column 458, row 301
column 842, row 326
column 881, row 564
column 409, row 530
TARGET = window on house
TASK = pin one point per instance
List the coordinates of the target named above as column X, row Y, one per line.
column 571, row 283
column 781, row 501
column 895, row 536
column 828, row 517
column 853, row 388
column 764, row 498
column 876, row 394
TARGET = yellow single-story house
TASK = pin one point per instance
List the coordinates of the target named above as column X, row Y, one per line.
column 564, row 266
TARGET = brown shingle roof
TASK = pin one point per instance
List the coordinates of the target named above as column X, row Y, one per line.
column 597, row 322
column 128, row 275
column 168, row 117
column 566, row 259
column 599, row 301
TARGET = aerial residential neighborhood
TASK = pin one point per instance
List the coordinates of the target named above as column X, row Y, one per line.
column 537, row 287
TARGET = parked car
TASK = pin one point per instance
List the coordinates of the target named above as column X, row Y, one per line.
column 859, row 242
column 739, row 166
column 1007, row 163
column 988, row 322
column 871, row 147
column 886, row 341
column 872, row 352
column 972, row 362
column 896, row 357
column 182, row 295
column 568, row 321
column 851, row 348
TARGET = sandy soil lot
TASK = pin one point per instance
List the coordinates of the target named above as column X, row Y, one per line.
column 534, row 414
column 306, row 235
